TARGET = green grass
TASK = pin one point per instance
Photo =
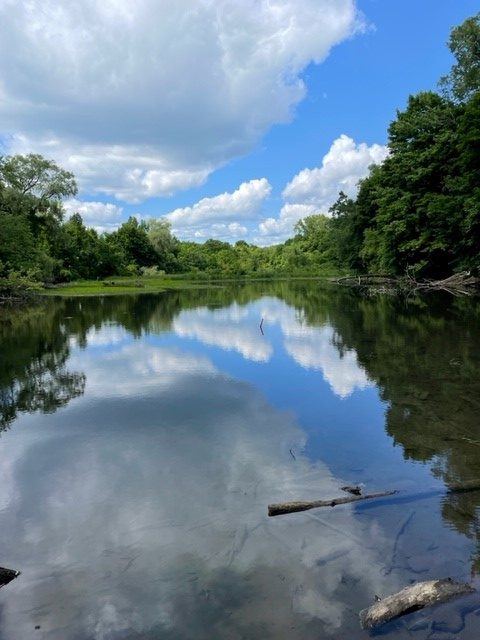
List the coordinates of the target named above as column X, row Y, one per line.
column 117, row 285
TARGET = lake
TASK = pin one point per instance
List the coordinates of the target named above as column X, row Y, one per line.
column 142, row 438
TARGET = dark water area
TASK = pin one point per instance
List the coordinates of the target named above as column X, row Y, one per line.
column 142, row 438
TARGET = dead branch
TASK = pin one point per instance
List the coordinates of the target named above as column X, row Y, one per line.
column 292, row 507
column 459, row 284
column 410, row 599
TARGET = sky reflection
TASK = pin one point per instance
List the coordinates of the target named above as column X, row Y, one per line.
column 138, row 507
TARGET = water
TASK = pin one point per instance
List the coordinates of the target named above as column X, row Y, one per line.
column 143, row 438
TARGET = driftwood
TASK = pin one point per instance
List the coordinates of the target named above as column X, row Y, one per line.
column 292, row 507
column 7, row 575
column 410, row 599
column 459, row 284
column 282, row 508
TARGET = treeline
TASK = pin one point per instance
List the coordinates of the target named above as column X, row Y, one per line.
column 419, row 211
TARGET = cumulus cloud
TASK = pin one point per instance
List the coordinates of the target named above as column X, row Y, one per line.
column 277, row 229
column 142, row 99
column 315, row 190
column 342, row 167
column 130, row 173
column 209, row 217
column 102, row 216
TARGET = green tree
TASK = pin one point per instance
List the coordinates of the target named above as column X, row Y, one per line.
column 159, row 233
column 463, row 81
column 35, row 186
column 133, row 241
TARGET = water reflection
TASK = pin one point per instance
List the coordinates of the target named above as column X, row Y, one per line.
column 230, row 328
column 149, row 434
column 315, row 347
column 34, row 352
column 148, row 518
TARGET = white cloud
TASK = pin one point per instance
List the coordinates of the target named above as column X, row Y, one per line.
column 278, row 229
column 145, row 98
column 100, row 215
column 127, row 172
column 315, row 190
column 209, row 217
column 342, row 167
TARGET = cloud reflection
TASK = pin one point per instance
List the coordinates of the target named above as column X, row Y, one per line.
column 232, row 328
column 314, row 348
column 147, row 517
column 236, row 328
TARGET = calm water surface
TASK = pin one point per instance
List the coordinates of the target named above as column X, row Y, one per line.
column 142, row 439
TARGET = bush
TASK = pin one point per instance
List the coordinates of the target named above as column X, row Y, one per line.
column 151, row 272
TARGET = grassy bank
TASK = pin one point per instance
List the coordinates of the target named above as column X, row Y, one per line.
column 155, row 284
column 118, row 285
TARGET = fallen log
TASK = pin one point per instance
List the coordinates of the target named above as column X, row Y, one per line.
column 292, row 507
column 7, row 575
column 282, row 508
column 410, row 599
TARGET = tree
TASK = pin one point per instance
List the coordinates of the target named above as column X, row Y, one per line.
column 133, row 240
column 314, row 238
column 463, row 81
column 37, row 176
column 409, row 209
column 159, row 231
column 35, row 186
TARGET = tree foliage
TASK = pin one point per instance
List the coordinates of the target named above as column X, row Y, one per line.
column 463, row 81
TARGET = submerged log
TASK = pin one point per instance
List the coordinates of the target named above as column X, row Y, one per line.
column 292, row 507
column 410, row 599
column 282, row 508
column 7, row 575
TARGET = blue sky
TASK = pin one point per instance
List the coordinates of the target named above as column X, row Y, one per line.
column 232, row 118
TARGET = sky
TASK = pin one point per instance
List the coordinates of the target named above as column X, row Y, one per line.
column 233, row 119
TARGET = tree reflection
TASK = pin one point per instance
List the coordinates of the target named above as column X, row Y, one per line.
column 34, row 351
column 424, row 356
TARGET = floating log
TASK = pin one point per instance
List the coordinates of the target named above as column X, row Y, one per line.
column 410, row 599
column 292, row 507
column 7, row 575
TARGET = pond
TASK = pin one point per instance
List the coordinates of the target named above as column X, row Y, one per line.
column 143, row 437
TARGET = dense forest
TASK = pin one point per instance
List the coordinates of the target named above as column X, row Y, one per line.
column 417, row 211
